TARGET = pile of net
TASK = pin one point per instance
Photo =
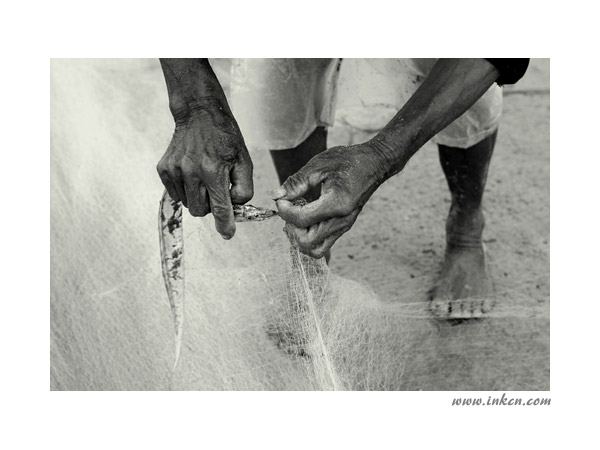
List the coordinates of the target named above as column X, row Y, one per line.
column 261, row 315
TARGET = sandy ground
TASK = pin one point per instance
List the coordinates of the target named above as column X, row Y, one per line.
column 395, row 246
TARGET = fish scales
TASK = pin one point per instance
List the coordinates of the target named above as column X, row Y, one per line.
column 170, row 229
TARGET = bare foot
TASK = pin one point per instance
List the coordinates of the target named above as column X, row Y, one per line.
column 464, row 286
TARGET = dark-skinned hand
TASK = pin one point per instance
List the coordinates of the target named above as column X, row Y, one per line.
column 348, row 177
column 207, row 166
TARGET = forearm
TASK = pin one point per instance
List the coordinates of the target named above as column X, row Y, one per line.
column 451, row 88
column 192, row 85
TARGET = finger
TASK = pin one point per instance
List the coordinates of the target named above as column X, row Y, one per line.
column 318, row 250
column 204, row 201
column 299, row 183
column 176, row 177
column 309, row 238
column 328, row 205
column 321, row 250
column 166, row 181
column 220, row 204
column 242, row 188
column 197, row 197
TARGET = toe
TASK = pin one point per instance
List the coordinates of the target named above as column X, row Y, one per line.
column 456, row 309
column 476, row 308
column 461, row 309
column 487, row 305
column 441, row 308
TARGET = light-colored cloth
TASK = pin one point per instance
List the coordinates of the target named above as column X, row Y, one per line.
column 279, row 102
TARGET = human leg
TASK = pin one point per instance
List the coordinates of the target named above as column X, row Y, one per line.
column 464, row 285
column 287, row 162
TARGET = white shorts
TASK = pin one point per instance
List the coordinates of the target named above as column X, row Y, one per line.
column 278, row 103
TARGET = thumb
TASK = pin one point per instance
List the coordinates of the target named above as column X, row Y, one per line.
column 299, row 184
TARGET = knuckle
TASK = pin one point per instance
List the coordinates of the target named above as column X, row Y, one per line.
column 172, row 169
column 294, row 236
column 243, row 195
column 301, row 221
column 164, row 177
column 284, row 213
column 304, row 240
column 317, row 254
column 294, row 218
column 188, row 167
column 228, row 159
column 243, row 156
column 344, row 207
column 295, row 180
column 248, row 162
column 221, row 211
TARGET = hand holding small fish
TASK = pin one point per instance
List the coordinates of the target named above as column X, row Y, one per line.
column 207, row 166
column 348, row 177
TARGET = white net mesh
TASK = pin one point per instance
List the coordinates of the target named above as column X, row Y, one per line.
column 260, row 315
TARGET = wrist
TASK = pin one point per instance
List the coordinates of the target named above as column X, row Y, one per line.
column 184, row 109
column 192, row 87
column 391, row 152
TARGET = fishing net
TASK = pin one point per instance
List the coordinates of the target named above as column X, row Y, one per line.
column 258, row 315
column 261, row 315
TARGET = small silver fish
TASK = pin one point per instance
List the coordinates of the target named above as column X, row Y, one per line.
column 249, row 213
column 170, row 230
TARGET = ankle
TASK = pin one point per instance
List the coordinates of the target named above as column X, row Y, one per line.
column 464, row 226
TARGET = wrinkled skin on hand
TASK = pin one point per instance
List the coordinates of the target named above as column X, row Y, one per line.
column 349, row 176
column 207, row 153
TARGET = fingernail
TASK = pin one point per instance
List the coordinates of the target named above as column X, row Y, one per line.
column 226, row 236
column 278, row 193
